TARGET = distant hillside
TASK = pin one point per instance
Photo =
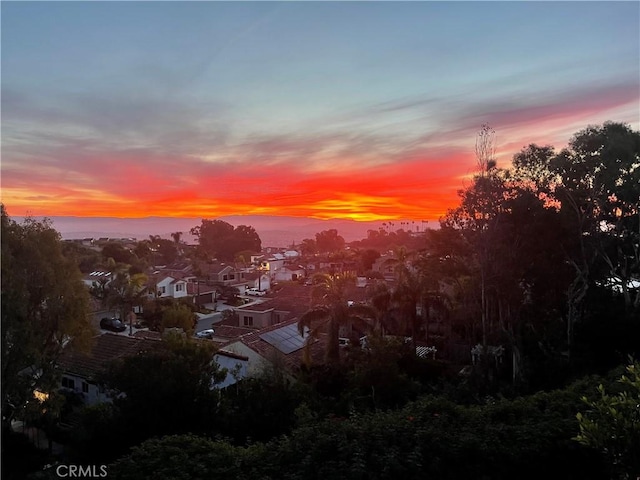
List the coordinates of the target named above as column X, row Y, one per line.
column 274, row 231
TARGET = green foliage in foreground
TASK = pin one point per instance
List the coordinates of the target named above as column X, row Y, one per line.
column 530, row 437
column 612, row 425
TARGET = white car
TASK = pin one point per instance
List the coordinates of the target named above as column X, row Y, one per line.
column 208, row 333
column 255, row 291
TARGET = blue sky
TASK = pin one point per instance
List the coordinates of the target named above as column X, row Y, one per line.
column 301, row 108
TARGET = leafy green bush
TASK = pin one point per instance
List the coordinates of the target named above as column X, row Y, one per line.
column 612, row 425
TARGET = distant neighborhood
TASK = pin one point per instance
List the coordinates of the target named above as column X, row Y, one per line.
column 249, row 308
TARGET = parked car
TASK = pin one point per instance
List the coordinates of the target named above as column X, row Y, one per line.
column 208, row 333
column 113, row 324
column 255, row 291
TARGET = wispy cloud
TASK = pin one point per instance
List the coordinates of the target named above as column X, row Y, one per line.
column 258, row 109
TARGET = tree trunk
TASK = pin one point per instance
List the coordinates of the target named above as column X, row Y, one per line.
column 333, row 342
column 483, row 301
column 575, row 295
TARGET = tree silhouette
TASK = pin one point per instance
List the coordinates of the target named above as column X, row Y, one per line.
column 331, row 310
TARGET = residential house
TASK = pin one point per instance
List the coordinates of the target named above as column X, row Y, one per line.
column 167, row 286
column 384, row 265
column 272, row 263
column 224, row 333
column 237, row 367
column 80, row 371
column 180, row 269
column 279, row 345
column 97, row 277
column 222, row 274
column 202, row 293
column 289, row 273
column 256, row 314
column 256, row 279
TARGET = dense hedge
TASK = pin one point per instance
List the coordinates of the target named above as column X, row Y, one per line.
column 525, row 438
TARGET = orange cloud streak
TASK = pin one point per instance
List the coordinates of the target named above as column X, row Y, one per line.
column 418, row 188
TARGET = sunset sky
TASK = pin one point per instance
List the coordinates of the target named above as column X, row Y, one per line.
column 363, row 110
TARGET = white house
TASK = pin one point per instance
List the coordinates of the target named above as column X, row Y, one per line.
column 278, row 345
column 171, row 287
column 272, row 264
column 237, row 367
column 259, row 280
column 289, row 273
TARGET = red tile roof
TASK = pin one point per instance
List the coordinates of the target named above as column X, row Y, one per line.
column 231, row 331
column 105, row 349
column 148, row 334
column 257, row 307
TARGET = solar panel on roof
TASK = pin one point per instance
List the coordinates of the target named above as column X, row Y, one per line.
column 287, row 339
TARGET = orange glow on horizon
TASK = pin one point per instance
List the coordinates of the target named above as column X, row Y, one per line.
column 347, row 207
column 415, row 188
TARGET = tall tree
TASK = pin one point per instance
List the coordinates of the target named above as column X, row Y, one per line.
column 379, row 297
column 125, row 292
column 178, row 316
column 435, row 302
column 599, row 184
column 330, row 310
column 166, row 251
column 45, row 308
column 367, row 259
column 245, row 238
column 308, row 247
column 594, row 185
column 499, row 219
column 219, row 239
column 119, row 254
column 329, row 241
column 167, row 387
column 407, row 291
column 177, row 236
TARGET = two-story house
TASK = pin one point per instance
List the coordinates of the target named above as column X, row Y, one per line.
column 168, row 286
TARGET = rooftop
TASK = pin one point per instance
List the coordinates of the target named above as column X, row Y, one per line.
column 105, row 349
column 292, row 358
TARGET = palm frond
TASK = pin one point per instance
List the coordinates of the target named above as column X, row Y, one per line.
column 361, row 310
column 310, row 319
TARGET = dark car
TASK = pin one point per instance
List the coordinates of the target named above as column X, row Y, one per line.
column 112, row 324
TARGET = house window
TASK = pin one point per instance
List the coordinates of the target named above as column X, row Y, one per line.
column 179, row 287
column 232, row 276
column 68, row 383
column 85, row 387
column 248, row 321
column 225, row 277
column 163, row 290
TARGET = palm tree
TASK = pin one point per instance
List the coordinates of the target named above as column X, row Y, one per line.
column 126, row 291
column 407, row 291
column 379, row 297
column 176, row 237
column 433, row 300
column 330, row 310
